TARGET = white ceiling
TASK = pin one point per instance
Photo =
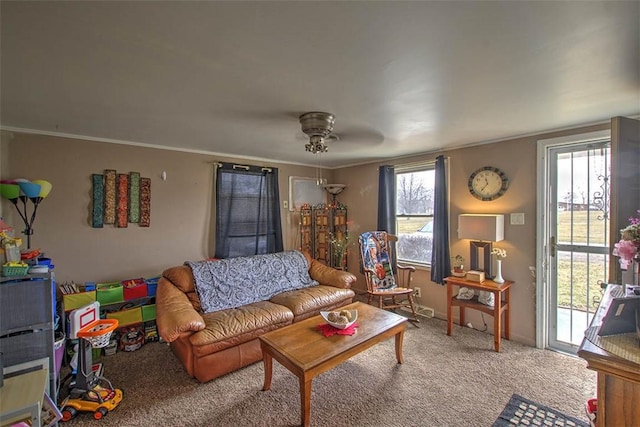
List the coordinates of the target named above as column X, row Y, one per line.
column 233, row 77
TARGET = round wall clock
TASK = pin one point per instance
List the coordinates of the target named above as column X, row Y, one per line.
column 488, row 183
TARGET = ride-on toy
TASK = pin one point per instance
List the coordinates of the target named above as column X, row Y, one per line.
column 91, row 392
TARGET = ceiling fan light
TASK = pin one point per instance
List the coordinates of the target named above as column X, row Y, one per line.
column 316, row 145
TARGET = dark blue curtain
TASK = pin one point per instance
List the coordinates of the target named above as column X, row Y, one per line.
column 387, row 206
column 247, row 211
column 387, row 199
column 440, row 254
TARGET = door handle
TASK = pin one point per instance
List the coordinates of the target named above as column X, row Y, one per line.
column 552, row 246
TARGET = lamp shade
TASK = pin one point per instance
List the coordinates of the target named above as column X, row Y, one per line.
column 334, row 189
column 29, row 189
column 488, row 227
column 45, row 187
column 9, row 191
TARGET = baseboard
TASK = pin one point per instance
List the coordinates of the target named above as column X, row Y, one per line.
column 421, row 310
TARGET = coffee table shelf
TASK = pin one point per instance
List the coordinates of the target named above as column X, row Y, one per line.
column 306, row 353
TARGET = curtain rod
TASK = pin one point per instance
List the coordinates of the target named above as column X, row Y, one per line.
column 245, row 167
column 414, row 165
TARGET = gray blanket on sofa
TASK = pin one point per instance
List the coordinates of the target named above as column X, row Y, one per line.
column 234, row 282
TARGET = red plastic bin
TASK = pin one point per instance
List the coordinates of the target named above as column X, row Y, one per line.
column 134, row 288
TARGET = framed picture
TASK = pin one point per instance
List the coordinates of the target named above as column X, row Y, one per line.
column 481, row 257
column 305, row 190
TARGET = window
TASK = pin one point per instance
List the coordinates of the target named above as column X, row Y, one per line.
column 247, row 211
column 414, row 212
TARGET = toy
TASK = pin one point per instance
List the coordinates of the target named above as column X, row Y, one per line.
column 131, row 337
column 91, row 392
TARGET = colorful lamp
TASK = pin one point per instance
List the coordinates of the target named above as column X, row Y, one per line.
column 23, row 190
column 10, row 191
column 45, row 187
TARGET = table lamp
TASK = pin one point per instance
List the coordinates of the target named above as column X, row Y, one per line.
column 483, row 230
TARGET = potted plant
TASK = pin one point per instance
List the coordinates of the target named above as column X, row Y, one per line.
column 457, row 264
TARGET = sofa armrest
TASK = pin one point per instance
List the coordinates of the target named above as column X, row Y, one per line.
column 174, row 312
column 331, row 276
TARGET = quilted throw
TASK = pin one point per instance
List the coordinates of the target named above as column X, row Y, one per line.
column 376, row 259
column 234, row 282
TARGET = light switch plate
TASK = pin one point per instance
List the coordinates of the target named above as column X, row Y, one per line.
column 517, row 218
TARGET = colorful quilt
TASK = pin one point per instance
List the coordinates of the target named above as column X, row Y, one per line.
column 376, row 258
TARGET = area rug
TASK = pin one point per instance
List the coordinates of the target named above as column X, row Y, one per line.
column 524, row 412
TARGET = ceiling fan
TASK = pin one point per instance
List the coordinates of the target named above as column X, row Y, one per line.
column 318, row 126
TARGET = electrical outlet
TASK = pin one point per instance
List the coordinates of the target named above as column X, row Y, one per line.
column 416, row 292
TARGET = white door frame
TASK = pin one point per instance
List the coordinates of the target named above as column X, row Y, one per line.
column 542, row 227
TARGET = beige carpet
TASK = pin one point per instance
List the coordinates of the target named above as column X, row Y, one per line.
column 445, row 381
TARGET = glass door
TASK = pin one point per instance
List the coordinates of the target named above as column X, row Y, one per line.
column 578, row 233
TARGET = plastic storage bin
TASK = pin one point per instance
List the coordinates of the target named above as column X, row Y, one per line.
column 58, row 351
column 109, row 293
column 127, row 317
column 134, row 289
column 77, row 300
column 148, row 312
column 152, row 286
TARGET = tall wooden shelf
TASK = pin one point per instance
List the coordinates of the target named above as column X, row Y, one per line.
column 306, row 229
column 318, row 225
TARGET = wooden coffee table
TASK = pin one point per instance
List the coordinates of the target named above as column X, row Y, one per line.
column 304, row 351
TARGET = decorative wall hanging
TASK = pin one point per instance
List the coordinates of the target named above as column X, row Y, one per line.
column 120, row 199
column 123, row 201
column 145, row 202
column 97, row 193
column 109, row 196
column 134, row 197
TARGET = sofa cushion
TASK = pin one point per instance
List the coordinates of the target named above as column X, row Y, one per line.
column 330, row 276
column 312, row 300
column 227, row 328
column 181, row 277
column 235, row 282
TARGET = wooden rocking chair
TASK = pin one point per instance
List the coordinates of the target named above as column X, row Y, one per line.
column 392, row 290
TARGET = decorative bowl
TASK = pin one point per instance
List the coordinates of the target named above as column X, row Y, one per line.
column 458, row 274
column 354, row 317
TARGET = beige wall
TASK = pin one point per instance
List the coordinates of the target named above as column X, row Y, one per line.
column 517, row 158
column 181, row 206
column 181, row 226
column 5, row 137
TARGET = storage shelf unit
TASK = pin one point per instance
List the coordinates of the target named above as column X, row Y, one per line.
column 27, row 311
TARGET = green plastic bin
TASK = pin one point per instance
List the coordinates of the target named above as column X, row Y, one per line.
column 109, row 293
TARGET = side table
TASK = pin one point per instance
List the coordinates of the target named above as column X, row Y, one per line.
column 501, row 305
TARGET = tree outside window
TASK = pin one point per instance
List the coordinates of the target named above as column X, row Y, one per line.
column 414, row 213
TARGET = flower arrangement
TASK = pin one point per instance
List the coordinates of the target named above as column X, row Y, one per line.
column 457, row 262
column 339, row 245
column 629, row 245
column 499, row 253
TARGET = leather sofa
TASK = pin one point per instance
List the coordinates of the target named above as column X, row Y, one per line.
column 212, row 344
